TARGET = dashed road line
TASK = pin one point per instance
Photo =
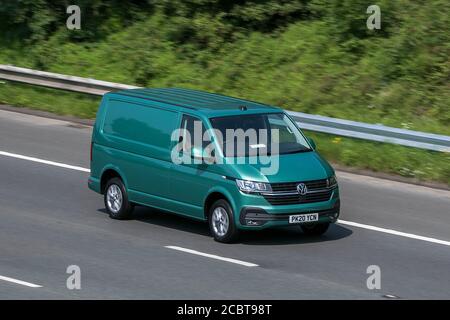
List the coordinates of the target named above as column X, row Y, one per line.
column 23, row 283
column 48, row 162
column 213, row 256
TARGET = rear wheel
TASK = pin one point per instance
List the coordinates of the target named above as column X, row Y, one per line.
column 221, row 222
column 116, row 200
column 316, row 229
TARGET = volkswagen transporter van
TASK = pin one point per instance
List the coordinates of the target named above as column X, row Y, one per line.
column 251, row 168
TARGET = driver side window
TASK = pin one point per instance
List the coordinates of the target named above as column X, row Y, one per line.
column 191, row 133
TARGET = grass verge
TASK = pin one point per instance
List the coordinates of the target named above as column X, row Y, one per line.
column 56, row 101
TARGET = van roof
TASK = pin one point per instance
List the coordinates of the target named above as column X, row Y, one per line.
column 207, row 102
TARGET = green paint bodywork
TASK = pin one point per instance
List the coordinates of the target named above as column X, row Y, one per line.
column 141, row 155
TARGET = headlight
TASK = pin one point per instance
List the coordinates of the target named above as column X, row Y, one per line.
column 251, row 186
column 332, row 182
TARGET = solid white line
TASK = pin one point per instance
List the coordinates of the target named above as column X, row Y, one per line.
column 394, row 232
column 23, row 283
column 213, row 256
column 51, row 163
column 350, row 223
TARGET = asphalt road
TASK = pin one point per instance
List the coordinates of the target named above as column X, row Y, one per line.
column 50, row 220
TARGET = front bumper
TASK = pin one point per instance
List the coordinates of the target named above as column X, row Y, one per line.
column 258, row 218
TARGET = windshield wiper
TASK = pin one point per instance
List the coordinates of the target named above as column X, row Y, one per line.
column 297, row 151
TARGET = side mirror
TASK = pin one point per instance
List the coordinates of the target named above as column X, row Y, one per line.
column 197, row 153
column 312, row 143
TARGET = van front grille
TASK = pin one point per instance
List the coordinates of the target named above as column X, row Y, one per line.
column 298, row 199
column 292, row 186
column 286, row 193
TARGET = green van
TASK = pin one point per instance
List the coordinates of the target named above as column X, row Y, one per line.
column 251, row 168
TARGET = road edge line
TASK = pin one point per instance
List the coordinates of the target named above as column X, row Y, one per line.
column 394, row 232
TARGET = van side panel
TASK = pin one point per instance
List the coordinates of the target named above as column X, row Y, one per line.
column 189, row 186
column 139, row 129
column 135, row 138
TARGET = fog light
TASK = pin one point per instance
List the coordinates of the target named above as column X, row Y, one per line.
column 253, row 223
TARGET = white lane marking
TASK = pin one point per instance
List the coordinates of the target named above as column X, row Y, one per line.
column 51, row 163
column 350, row 223
column 213, row 256
column 23, row 283
column 394, row 232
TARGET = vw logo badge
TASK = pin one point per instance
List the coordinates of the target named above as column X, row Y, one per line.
column 302, row 189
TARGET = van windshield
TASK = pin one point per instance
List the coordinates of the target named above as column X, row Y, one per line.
column 258, row 134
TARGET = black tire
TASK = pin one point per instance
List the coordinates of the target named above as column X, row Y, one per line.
column 126, row 208
column 317, row 229
column 231, row 233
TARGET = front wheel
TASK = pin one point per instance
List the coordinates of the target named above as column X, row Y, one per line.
column 316, row 229
column 221, row 222
column 116, row 200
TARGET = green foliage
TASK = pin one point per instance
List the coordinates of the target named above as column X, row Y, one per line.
column 36, row 20
column 314, row 56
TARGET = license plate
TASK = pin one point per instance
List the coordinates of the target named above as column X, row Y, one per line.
column 304, row 218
